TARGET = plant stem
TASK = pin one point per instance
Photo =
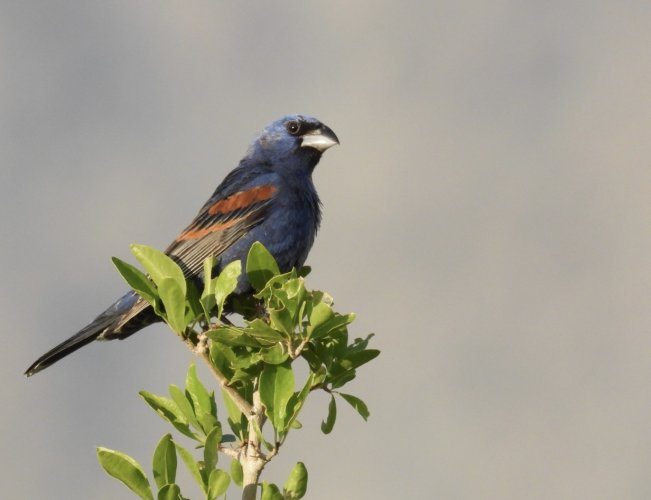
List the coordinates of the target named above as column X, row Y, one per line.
column 251, row 457
column 252, row 460
column 201, row 350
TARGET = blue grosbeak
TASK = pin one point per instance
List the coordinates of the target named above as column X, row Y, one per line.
column 269, row 198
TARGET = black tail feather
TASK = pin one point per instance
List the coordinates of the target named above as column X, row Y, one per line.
column 77, row 341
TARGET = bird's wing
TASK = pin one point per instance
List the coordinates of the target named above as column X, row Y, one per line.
column 222, row 221
column 219, row 224
column 238, row 204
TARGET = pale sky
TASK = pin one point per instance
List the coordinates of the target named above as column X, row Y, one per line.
column 487, row 215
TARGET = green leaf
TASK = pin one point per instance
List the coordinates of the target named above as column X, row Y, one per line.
column 208, row 293
column 294, row 299
column 211, row 448
column 263, row 333
column 296, row 484
column 276, row 387
column 226, row 283
column 270, row 492
column 237, row 473
column 356, row 403
column 236, row 418
column 295, row 288
column 320, row 374
column 220, row 356
column 356, row 359
column 232, row 337
column 158, row 265
column 321, row 313
column 258, row 433
column 185, row 406
column 296, row 424
column 274, row 289
column 218, row 483
column 318, row 353
column 281, row 320
column 247, row 366
column 297, row 401
column 170, row 492
column 208, row 422
column 275, row 354
column 342, row 379
column 209, row 264
column 309, row 354
column 260, row 266
column 329, row 423
column 173, row 298
column 169, row 411
column 194, row 309
column 164, row 463
column 202, row 401
column 136, row 279
column 192, row 466
column 125, row 469
column 244, row 361
column 327, row 327
column 361, row 344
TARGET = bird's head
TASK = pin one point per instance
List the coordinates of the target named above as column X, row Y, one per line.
column 299, row 138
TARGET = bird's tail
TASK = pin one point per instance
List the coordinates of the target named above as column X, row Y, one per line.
column 85, row 336
column 124, row 317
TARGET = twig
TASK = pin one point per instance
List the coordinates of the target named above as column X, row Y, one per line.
column 231, row 452
column 252, row 460
column 249, row 454
column 201, row 350
column 295, row 353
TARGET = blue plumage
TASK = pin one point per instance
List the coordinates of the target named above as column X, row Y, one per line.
column 269, row 197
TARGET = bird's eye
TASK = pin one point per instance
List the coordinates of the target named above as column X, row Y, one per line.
column 293, row 127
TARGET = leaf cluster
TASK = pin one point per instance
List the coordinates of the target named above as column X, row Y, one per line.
column 193, row 413
column 282, row 322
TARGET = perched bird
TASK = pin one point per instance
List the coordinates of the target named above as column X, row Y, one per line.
column 269, row 197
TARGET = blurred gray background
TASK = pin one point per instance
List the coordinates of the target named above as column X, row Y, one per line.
column 487, row 215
